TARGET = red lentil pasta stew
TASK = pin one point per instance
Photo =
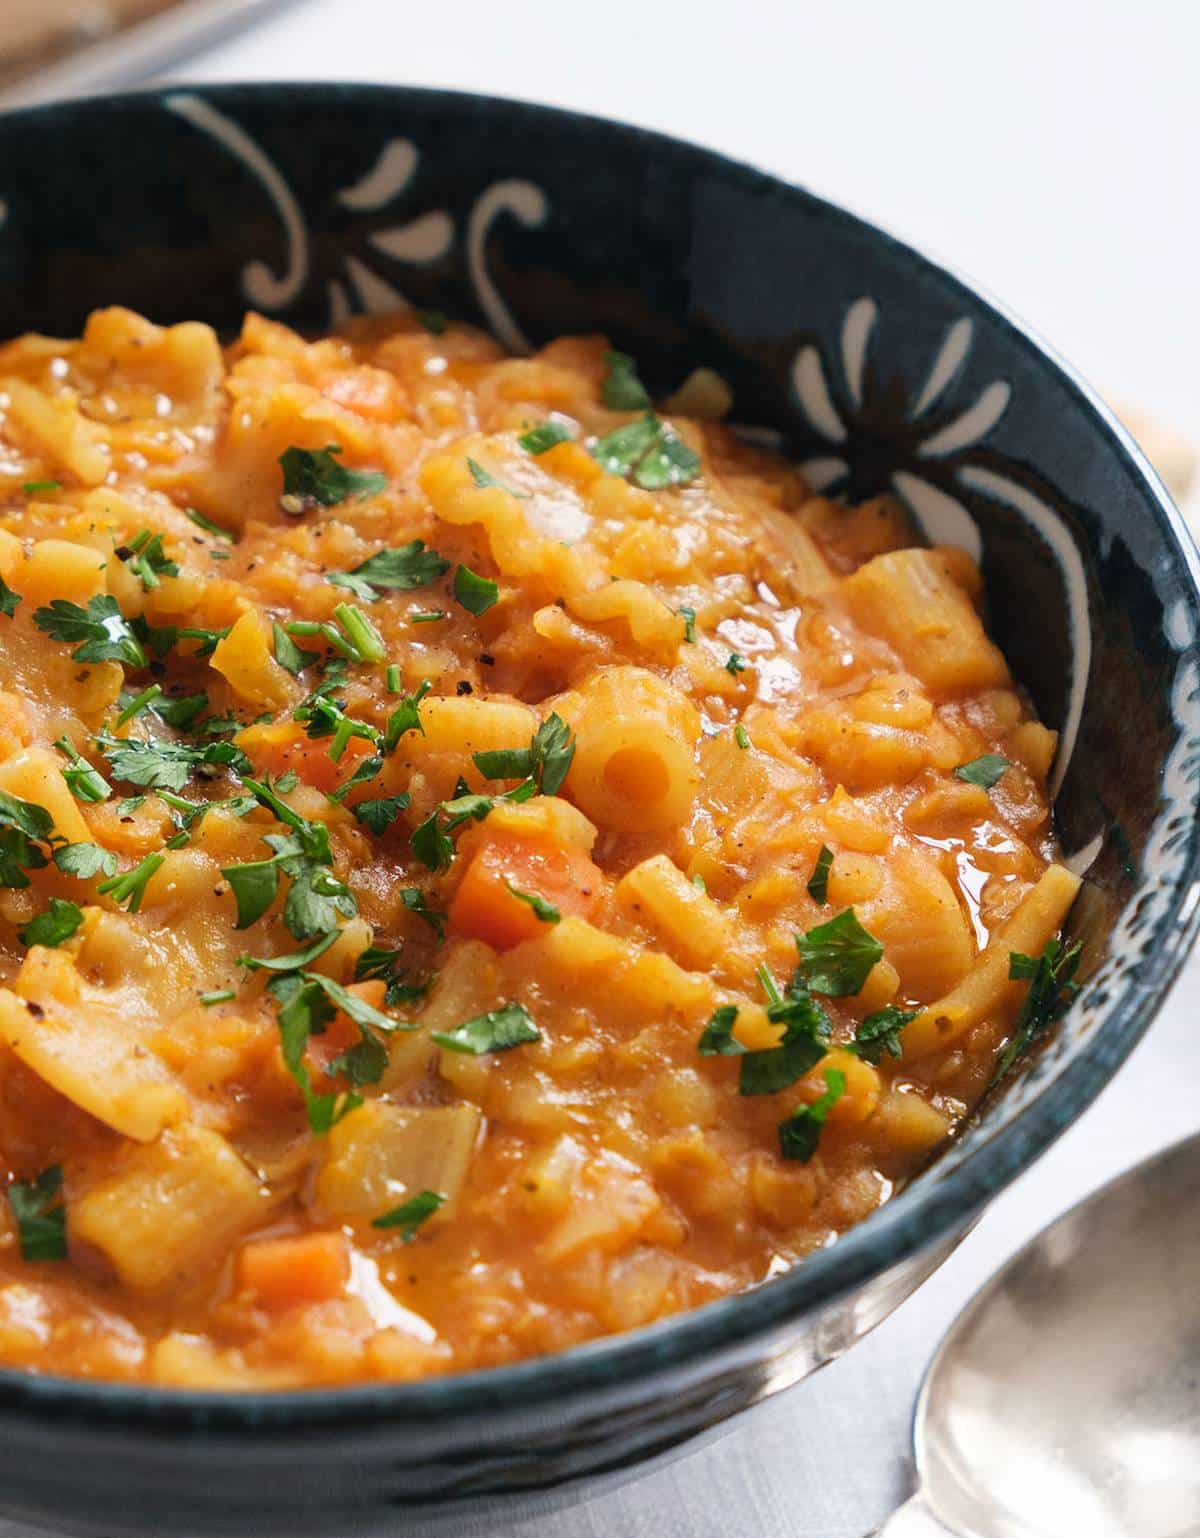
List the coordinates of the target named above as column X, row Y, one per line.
column 486, row 860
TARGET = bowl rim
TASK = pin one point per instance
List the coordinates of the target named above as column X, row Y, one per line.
column 913, row 1221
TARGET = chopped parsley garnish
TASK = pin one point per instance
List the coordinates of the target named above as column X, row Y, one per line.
column 434, row 321
column 381, row 813
column 735, row 663
column 339, row 638
column 8, row 599
column 801, row 1132
column 717, row 1038
column 209, row 526
column 818, row 882
column 1052, row 986
column 288, row 655
column 649, row 452
column 485, row 478
column 880, row 1033
column 546, row 911
column 741, row 736
column 181, row 712
column 208, row 639
column 316, row 897
column 621, row 389
column 84, row 782
column 23, row 826
column 545, row 761
column 409, row 1215
column 379, row 961
column 145, row 557
column 167, row 765
column 218, row 996
column 139, row 702
column 131, row 887
column 58, row 923
column 688, row 616
column 430, row 840
column 104, row 632
column 476, row 594
column 295, row 961
column 367, row 769
column 314, row 478
column 426, row 616
column 324, row 717
column 33, row 488
column 85, row 861
column 984, row 771
column 497, row 1031
column 544, row 437
column 805, row 1040
column 394, row 679
column 416, row 902
column 41, row 1223
column 405, row 718
column 402, row 569
column 837, row 957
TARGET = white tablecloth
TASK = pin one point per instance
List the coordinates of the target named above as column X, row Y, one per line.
column 1047, row 152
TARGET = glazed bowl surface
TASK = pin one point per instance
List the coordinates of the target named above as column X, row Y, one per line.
column 873, row 368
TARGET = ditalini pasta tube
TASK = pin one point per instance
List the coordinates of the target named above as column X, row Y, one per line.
column 635, row 760
column 986, row 986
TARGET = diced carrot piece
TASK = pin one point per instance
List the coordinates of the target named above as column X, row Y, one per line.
column 485, row 908
column 304, row 1268
column 277, row 748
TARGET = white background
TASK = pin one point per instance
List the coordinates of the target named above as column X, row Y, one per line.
column 1049, row 152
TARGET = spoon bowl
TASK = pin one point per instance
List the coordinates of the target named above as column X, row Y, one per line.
column 1065, row 1401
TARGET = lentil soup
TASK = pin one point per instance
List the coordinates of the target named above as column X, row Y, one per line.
column 486, row 861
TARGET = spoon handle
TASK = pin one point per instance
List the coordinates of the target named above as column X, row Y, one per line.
column 913, row 1520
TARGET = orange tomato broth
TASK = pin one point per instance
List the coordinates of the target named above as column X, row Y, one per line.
column 603, row 1172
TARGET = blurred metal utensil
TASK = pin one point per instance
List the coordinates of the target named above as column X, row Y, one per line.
column 1065, row 1401
column 133, row 53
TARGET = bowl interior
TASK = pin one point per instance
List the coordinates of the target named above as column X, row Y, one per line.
column 872, row 367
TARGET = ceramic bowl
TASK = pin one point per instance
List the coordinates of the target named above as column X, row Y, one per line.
column 872, row 367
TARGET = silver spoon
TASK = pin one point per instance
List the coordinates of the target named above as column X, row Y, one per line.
column 1065, row 1401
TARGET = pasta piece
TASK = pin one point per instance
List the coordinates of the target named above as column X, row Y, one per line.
column 381, row 1155
column 921, row 925
column 53, row 428
column 685, row 920
column 169, row 1209
column 635, row 766
column 911, row 598
column 986, row 989
column 59, row 568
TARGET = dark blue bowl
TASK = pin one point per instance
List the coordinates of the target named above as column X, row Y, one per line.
column 867, row 363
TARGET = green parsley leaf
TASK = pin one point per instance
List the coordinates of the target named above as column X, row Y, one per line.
column 741, row 736
column 379, row 961
column 218, row 996
column 547, row 758
column 131, row 887
column 546, row 911
column 405, row 718
column 304, row 1010
column 33, row 488
column 984, row 771
column 84, row 782
column 818, row 882
column 254, row 887
column 138, row 702
column 288, row 654
column 669, row 462
column 476, row 594
column 801, row 1132
column 101, row 627
column 717, row 1038
column 23, row 826
column 409, row 1215
column 26, row 817
column 621, row 389
column 402, row 569
column 735, row 664
column 314, row 478
column 41, row 1225
column 85, row 861
column 880, row 1033
column 688, row 616
column 618, row 452
column 543, row 437
column 209, row 526
column 167, row 765
column 380, row 814
column 145, row 557
column 208, row 639
column 836, row 957
column 182, row 711
column 58, row 923
column 1052, row 986
column 426, row 616
column 8, row 599
column 367, row 769
column 496, row 1031
column 805, row 1041
column 484, row 478
column 295, row 962
column 416, row 902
